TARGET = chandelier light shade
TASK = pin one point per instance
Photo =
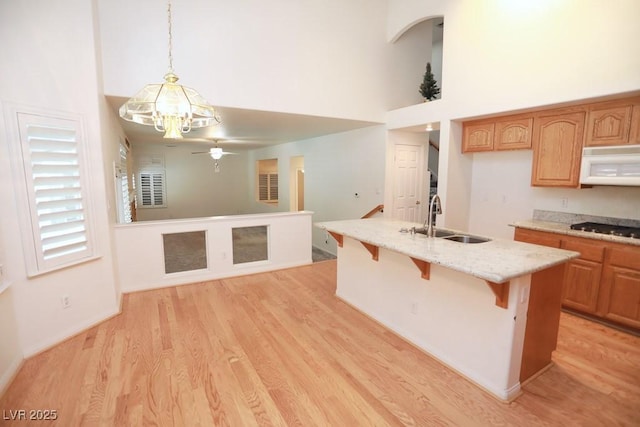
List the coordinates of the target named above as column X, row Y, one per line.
column 169, row 107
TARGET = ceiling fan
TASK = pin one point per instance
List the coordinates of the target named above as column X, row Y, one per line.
column 216, row 152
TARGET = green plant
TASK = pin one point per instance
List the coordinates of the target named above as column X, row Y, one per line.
column 429, row 87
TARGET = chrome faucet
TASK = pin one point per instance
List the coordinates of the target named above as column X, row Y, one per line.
column 431, row 229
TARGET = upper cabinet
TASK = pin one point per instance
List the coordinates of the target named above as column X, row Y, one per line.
column 634, row 134
column 557, row 136
column 557, row 149
column 478, row 137
column 513, row 133
column 502, row 133
column 609, row 123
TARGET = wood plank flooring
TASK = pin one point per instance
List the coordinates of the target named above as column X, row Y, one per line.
column 280, row 349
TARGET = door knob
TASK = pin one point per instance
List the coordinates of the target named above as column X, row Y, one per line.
column 417, row 202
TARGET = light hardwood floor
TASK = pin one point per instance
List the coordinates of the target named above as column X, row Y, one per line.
column 280, row 349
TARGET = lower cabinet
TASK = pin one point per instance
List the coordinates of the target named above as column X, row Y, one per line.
column 604, row 282
column 620, row 301
column 582, row 275
column 581, row 285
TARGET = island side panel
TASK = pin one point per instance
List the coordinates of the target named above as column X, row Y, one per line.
column 543, row 320
column 452, row 316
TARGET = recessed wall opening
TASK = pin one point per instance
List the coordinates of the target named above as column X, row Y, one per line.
column 184, row 251
column 267, row 181
column 418, row 45
column 250, row 244
column 296, row 183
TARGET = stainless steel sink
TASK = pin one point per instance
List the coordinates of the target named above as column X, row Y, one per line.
column 438, row 233
column 465, row 238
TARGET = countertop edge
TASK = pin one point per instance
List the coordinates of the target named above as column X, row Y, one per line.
column 562, row 228
column 559, row 255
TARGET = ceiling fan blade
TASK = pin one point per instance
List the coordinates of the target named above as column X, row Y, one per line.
column 200, row 152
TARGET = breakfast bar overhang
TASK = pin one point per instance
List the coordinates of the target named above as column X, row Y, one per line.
column 473, row 306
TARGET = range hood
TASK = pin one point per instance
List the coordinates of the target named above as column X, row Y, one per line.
column 616, row 165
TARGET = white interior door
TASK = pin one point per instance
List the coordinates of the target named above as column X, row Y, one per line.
column 408, row 178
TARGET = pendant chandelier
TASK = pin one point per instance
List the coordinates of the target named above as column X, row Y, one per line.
column 169, row 107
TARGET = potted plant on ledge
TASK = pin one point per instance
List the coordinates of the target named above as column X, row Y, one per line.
column 429, row 87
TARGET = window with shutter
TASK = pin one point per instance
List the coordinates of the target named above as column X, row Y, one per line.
column 152, row 189
column 267, row 180
column 123, row 188
column 268, row 187
column 55, row 197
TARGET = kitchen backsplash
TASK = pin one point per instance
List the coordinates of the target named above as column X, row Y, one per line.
column 572, row 218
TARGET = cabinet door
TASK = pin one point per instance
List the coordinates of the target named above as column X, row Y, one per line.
column 620, row 294
column 477, row 137
column 621, row 299
column 634, row 133
column 608, row 125
column 581, row 285
column 582, row 276
column 557, row 150
column 513, row 134
column 541, row 238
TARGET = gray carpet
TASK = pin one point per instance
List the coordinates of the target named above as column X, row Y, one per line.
column 184, row 251
column 188, row 251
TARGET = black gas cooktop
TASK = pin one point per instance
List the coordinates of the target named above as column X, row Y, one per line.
column 614, row 230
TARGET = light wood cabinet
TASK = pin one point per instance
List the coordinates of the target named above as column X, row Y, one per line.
column 541, row 238
column 620, row 295
column 504, row 133
column 634, row 133
column 478, row 137
column 581, row 285
column 613, row 123
column 513, row 134
column 557, row 149
column 608, row 125
column 603, row 283
column 582, row 276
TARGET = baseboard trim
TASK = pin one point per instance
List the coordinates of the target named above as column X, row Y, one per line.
column 70, row 333
column 9, row 375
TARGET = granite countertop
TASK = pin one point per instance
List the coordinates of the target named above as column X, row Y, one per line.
column 497, row 261
column 562, row 228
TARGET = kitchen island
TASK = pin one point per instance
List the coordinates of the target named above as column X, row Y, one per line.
column 470, row 305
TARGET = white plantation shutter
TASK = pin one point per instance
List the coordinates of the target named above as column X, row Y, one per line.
column 122, row 182
column 152, row 191
column 268, row 187
column 51, row 154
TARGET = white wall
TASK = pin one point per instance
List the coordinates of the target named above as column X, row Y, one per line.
column 50, row 66
column 141, row 253
column 336, row 168
column 194, row 189
column 10, row 350
column 406, row 71
column 276, row 56
column 501, row 56
column 500, row 193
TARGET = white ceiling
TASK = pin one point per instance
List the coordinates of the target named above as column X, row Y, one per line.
column 243, row 129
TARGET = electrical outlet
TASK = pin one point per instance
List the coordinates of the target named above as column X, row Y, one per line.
column 66, row 302
column 564, row 202
column 1, row 273
column 414, row 308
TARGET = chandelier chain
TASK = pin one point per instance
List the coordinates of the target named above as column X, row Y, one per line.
column 170, row 37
